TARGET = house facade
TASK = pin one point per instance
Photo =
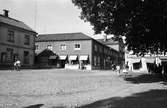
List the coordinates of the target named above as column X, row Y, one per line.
column 77, row 51
column 116, row 45
column 17, row 41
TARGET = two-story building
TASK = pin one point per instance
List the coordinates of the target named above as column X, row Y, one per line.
column 77, row 50
column 17, row 41
column 117, row 45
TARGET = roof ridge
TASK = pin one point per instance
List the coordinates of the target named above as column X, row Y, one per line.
column 61, row 33
column 16, row 23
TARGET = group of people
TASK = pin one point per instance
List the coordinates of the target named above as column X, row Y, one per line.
column 124, row 69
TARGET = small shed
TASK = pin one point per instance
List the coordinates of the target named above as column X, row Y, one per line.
column 46, row 58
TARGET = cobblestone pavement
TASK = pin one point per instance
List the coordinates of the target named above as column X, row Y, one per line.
column 58, row 88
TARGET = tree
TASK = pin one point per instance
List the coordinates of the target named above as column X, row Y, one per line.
column 142, row 22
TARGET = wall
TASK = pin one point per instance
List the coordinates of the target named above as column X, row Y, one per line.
column 18, row 45
column 85, row 47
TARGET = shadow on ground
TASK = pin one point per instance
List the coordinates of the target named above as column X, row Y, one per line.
column 144, row 78
column 150, row 99
column 34, row 106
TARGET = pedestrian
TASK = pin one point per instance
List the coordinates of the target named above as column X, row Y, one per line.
column 118, row 69
column 17, row 65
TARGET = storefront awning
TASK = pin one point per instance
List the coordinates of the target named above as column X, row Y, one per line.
column 163, row 58
column 134, row 60
column 150, row 60
column 83, row 57
column 62, row 57
column 53, row 57
column 73, row 57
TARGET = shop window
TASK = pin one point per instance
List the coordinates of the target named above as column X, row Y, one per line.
column 74, row 62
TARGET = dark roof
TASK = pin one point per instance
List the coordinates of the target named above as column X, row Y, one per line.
column 46, row 53
column 108, row 41
column 14, row 22
column 62, row 37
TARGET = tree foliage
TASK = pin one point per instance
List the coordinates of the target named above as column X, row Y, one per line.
column 142, row 22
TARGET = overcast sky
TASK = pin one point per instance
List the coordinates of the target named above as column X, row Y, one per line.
column 47, row 16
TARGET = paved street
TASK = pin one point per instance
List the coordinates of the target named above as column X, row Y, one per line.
column 58, row 88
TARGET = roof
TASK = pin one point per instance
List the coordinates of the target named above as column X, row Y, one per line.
column 46, row 53
column 14, row 22
column 108, row 41
column 62, row 37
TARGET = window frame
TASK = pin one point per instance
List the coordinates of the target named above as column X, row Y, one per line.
column 63, row 47
column 50, row 47
column 77, row 46
column 11, row 36
column 26, row 39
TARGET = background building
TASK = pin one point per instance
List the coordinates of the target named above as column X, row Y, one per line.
column 77, row 50
column 117, row 45
column 17, row 41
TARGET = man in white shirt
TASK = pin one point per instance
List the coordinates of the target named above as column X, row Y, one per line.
column 17, row 65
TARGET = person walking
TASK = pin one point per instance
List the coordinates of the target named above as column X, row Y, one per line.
column 118, row 69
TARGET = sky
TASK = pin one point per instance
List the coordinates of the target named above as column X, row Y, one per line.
column 48, row 16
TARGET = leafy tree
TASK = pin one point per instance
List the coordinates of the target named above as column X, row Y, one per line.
column 142, row 22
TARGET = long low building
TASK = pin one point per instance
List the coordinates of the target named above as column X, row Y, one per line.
column 74, row 51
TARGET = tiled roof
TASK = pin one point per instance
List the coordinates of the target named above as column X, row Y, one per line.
column 13, row 22
column 62, row 37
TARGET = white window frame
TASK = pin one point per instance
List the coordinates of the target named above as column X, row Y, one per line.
column 77, row 48
column 63, row 47
column 50, row 47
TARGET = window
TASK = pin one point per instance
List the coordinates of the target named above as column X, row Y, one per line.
column 15, row 57
column 100, row 49
column 95, row 47
column 49, row 47
column 95, row 61
column 36, row 47
column 98, row 61
column 10, row 37
column 26, row 40
column 3, row 57
column 26, row 57
column 62, row 47
column 9, row 55
column 77, row 47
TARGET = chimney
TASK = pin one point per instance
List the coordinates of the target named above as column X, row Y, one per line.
column 105, row 38
column 6, row 13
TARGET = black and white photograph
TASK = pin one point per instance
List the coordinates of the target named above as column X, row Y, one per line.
column 83, row 54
